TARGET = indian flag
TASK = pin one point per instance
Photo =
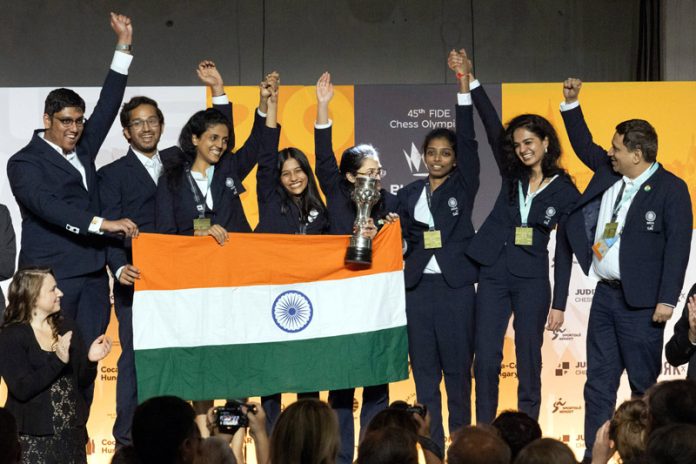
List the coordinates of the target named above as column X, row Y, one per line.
column 266, row 313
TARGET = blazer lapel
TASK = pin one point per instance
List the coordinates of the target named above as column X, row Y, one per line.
column 142, row 177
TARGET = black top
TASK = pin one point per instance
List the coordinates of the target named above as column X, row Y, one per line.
column 270, row 198
column 30, row 371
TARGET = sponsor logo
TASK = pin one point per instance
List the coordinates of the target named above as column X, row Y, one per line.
column 584, row 295
column 292, row 311
column 108, row 446
column 90, row 447
column 508, row 370
column 562, row 407
column 414, row 159
column 108, row 374
column 564, row 335
column 562, row 369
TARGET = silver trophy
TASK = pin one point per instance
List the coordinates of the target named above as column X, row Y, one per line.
column 365, row 195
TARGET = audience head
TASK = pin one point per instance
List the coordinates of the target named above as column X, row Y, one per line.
column 627, row 430
column 10, row 450
column 530, row 141
column 478, row 445
column 217, row 450
column 306, row 432
column 360, row 160
column 388, row 445
column 517, row 429
column 142, row 123
column 164, row 431
column 396, row 415
column 33, row 292
column 63, row 118
column 672, row 444
column 671, row 402
column 546, row 451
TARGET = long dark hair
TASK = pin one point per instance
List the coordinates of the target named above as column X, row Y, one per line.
column 309, row 199
column 196, row 125
column 513, row 169
column 22, row 294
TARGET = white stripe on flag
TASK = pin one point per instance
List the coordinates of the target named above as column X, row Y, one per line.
column 240, row 315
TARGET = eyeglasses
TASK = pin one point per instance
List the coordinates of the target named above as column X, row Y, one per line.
column 381, row 172
column 140, row 123
column 67, row 122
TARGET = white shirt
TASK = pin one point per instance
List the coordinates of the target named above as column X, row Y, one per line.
column 608, row 266
column 203, row 183
column 153, row 165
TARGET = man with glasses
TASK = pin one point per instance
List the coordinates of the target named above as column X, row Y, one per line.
column 127, row 188
column 54, row 181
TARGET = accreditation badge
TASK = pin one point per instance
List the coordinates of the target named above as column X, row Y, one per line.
column 201, row 224
column 601, row 248
column 432, row 239
column 610, row 230
column 523, row 236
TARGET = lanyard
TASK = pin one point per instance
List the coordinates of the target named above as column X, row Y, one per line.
column 200, row 203
column 526, row 201
column 429, row 199
column 626, row 196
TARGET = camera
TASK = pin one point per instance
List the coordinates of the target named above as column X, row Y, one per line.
column 419, row 409
column 231, row 417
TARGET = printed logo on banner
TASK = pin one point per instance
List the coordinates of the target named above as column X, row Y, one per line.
column 562, row 369
column 564, row 335
column 108, row 446
column 668, row 369
column 414, row 159
column 584, row 295
column 561, row 406
column 108, row 374
column 508, row 370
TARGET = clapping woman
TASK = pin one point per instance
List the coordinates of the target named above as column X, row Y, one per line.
column 45, row 363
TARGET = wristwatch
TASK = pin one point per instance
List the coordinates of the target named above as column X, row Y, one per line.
column 124, row 47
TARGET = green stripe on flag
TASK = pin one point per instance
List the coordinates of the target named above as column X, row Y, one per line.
column 236, row 371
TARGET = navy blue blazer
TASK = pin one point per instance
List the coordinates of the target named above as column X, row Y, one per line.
column 679, row 349
column 268, row 192
column 549, row 209
column 175, row 207
column 29, row 373
column 56, row 209
column 127, row 190
column 452, row 205
column 653, row 254
column 338, row 190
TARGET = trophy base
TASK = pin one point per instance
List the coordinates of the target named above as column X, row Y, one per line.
column 359, row 255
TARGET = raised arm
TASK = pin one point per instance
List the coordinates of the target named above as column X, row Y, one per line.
column 247, row 156
column 267, row 174
column 468, row 163
column 111, row 95
column 209, row 75
column 327, row 168
column 591, row 154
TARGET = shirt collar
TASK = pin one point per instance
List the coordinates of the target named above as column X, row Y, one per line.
column 70, row 155
column 146, row 160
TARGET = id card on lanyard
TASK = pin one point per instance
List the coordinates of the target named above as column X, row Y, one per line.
column 524, row 235
column 201, row 222
column 611, row 232
column 432, row 238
